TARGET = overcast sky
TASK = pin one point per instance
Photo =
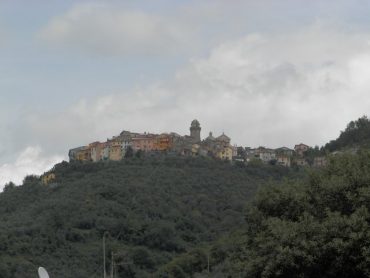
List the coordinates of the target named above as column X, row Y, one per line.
column 267, row 72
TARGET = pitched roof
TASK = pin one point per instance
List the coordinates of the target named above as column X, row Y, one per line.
column 223, row 137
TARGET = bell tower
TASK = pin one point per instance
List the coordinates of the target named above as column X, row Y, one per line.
column 195, row 131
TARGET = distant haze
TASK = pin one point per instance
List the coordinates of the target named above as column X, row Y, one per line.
column 270, row 73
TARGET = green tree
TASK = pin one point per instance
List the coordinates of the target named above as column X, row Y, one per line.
column 316, row 228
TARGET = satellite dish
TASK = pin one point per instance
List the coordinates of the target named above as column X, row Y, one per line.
column 43, row 273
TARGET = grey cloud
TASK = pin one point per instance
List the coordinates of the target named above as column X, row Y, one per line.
column 109, row 31
column 261, row 89
column 193, row 27
column 264, row 80
column 256, row 89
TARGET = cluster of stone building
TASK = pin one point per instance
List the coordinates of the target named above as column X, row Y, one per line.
column 129, row 143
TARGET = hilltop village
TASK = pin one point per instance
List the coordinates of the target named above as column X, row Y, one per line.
column 129, row 144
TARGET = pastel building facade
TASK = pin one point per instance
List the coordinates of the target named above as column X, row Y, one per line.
column 80, row 154
column 265, row 154
column 300, row 149
column 47, row 178
column 320, row 161
column 163, row 142
column 219, row 147
column 104, row 151
column 192, row 145
column 284, row 160
column 284, row 156
column 96, row 151
column 115, row 149
column 226, row 153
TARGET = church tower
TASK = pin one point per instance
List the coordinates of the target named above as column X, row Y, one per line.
column 195, row 131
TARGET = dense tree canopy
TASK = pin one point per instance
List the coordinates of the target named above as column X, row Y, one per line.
column 151, row 210
column 317, row 228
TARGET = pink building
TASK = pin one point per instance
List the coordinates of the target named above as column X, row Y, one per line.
column 144, row 142
column 300, row 149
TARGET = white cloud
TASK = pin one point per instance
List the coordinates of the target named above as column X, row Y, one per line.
column 110, row 31
column 30, row 161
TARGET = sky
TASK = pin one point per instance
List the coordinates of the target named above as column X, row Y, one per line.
column 267, row 73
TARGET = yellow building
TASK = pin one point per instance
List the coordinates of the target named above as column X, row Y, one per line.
column 95, row 149
column 47, row 178
column 116, row 152
column 163, row 142
column 80, row 154
column 195, row 149
column 226, row 153
column 84, row 154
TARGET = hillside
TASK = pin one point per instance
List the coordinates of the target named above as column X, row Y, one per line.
column 152, row 211
column 319, row 227
column 356, row 135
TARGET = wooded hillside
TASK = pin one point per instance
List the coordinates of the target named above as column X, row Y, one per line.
column 151, row 210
